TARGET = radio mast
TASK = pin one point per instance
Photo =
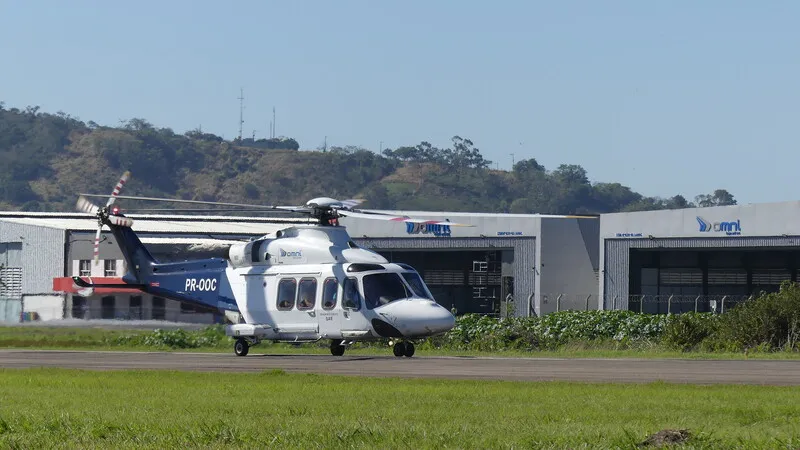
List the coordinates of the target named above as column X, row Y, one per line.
column 241, row 111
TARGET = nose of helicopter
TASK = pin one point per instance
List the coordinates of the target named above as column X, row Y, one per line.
column 414, row 318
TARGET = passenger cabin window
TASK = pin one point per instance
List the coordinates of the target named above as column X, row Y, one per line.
column 286, row 292
column 383, row 288
column 329, row 288
column 350, row 297
column 417, row 285
column 307, row 294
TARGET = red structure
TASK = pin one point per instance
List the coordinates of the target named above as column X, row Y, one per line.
column 66, row 285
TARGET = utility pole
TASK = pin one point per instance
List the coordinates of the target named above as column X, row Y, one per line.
column 380, row 147
column 512, row 161
column 273, row 122
column 241, row 111
column 254, row 135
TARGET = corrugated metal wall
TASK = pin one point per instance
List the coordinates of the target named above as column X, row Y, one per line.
column 41, row 255
column 524, row 257
column 616, row 258
column 568, row 264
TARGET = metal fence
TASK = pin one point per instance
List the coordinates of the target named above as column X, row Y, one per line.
column 648, row 304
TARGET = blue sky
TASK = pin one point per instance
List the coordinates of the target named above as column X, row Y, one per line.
column 666, row 97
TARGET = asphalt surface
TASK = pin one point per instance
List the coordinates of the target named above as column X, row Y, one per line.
column 517, row 369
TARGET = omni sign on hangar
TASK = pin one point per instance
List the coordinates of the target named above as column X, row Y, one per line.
column 428, row 228
column 730, row 228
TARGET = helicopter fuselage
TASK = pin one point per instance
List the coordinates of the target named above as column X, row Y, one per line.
column 312, row 282
column 349, row 301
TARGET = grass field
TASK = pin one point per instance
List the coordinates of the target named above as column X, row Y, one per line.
column 54, row 408
column 74, row 338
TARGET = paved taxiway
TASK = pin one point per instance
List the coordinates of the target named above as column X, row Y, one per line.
column 520, row 369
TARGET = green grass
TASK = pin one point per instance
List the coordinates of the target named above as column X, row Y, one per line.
column 60, row 338
column 57, row 408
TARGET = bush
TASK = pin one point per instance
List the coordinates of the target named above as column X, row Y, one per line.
column 212, row 336
column 771, row 321
column 687, row 331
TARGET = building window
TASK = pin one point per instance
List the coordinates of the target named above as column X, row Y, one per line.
column 85, row 268
column 111, row 268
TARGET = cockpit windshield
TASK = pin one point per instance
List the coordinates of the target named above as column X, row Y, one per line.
column 383, row 288
column 417, row 285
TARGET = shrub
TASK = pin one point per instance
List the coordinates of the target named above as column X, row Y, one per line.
column 771, row 321
column 688, row 330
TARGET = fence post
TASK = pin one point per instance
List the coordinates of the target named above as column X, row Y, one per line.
column 587, row 301
column 530, row 305
column 697, row 299
column 558, row 302
column 641, row 304
column 722, row 308
column 669, row 304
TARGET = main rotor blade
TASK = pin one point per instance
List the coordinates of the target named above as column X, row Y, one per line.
column 198, row 202
column 207, row 210
column 393, row 218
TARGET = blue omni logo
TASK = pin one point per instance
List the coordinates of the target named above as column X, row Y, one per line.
column 296, row 254
column 428, row 228
column 729, row 228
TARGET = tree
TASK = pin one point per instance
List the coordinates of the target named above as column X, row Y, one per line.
column 720, row 197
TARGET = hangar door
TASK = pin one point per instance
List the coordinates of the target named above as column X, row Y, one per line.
column 701, row 277
column 469, row 281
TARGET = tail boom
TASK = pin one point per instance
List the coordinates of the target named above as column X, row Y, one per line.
column 203, row 283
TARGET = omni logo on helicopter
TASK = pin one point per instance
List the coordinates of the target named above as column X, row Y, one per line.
column 291, row 254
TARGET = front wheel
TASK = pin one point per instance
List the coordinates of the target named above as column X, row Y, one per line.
column 337, row 349
column 241, row 347
column 399, row 349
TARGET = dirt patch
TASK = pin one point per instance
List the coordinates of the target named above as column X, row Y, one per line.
column 666, row 437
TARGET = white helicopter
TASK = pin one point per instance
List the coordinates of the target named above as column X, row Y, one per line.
column 300, row 284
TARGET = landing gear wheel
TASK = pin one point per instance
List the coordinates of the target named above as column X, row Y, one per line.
column 399, row 349
column 337, row 349
column 409, row 350
column 241, row 347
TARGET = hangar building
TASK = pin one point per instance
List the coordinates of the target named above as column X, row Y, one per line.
column 544, row 261
column 697, row 259
column 534, row 259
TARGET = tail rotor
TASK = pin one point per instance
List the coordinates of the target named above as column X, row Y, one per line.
column 106, row 215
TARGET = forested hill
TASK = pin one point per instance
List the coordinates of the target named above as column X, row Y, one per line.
column 48, row 158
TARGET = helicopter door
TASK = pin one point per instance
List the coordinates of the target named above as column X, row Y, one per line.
column 296, row 317
column 354, row 324
column 329, row 312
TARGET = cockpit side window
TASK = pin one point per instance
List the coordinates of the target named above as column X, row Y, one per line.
column 307, row 294
column 329, row 288
column 383, row 288
column 287, row 288
column 350, row 298
column 417, row 285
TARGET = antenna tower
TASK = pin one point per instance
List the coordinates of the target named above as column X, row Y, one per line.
column 241, row 111
column 273, row 122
